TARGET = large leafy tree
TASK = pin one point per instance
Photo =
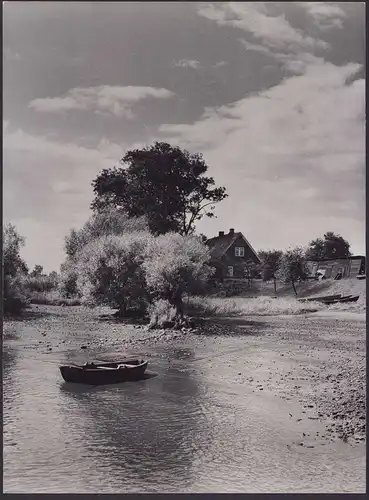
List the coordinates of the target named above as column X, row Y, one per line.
column 163, row 183
column 292, row 267
column 270, row 260
column 331, row 246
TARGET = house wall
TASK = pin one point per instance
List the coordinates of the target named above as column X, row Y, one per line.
column 238, row 263
column 350, row 267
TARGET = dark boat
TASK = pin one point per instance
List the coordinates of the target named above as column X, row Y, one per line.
column 343, row 300
column 104, row 373
column 349, row 298
column 324, row 298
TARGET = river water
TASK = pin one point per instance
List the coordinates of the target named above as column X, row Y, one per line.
column 179, row 430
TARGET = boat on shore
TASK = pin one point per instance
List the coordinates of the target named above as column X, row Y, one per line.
column 321, row 299
column 104, row 373
column 344, row 300
column 328, row 300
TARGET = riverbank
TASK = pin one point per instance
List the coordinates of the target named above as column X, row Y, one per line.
column 281, row 398
column 316, row 361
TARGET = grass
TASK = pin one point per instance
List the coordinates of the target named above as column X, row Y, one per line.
column 52, row 299
column 285, row 303
column 239, row 306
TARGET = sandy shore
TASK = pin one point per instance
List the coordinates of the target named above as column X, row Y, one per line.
column 315, row 364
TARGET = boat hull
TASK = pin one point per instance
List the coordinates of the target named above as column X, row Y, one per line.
column 325, row 298
column 103, row 374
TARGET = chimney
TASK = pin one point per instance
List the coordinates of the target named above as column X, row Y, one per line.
column 221, row 233
column 231, row 231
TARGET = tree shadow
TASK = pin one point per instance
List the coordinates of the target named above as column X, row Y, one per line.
column 30, row 315
column 233, row 326
column 113, row 318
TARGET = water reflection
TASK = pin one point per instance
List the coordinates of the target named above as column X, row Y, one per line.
column 182, row 430
column 10, row 357
column 146, row 430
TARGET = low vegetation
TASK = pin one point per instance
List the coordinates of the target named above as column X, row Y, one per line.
column 240, row 306
column 52, row 299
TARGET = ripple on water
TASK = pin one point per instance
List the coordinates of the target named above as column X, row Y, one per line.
column 175, row 432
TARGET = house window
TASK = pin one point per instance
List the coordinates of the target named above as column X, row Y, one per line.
column 239, row 251
column 230, row 270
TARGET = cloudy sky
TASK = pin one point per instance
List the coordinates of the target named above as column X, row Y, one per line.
column 271, row 93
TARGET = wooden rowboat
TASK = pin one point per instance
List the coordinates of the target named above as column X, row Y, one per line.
column 104, row 373
column 343, row 300
column 349, row 298
column 324, row 298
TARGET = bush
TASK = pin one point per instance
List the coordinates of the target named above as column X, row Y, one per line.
column 68, row 280
column 16, row 297
column 175, row 264
column 109, row 271
column 114, row 261
column 52, row 300
column 40, row 284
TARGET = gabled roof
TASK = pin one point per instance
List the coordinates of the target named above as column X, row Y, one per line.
column 220, row 244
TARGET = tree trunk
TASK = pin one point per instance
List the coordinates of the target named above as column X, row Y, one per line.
column 178, row 303
column 294, row 288
column 275, row 285
column 179, row 307
column 123, row 309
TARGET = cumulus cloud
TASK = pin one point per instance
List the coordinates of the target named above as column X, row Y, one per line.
column 220, row 64
column 325, row 14
column 294, row 151
column 273, row 31
column 105, row 99
column 187, row 63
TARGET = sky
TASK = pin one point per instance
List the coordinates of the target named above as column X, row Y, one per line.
column 272, row 94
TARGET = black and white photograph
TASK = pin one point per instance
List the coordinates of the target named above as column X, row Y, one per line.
column 184, row 257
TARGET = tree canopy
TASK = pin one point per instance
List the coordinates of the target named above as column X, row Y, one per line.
column 12, row 244
column 116, row 261
column 108, row 221
column 163, row 183
column 331, row 246
column 37, row 271
column 292, row 267
column 109, row 270
column 173, row 264
column 270, row 261
column 14, row 270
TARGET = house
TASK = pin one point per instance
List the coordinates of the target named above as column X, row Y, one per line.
column 231, row 255
column 350, row 267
